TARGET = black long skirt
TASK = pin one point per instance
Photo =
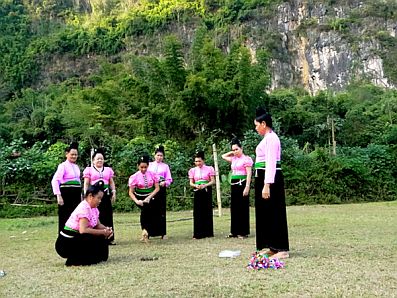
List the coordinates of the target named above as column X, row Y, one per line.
column 147, row 214
column 71, row 196
column 158, row 205
column 271, row 214
column 82, row 249
column 106, row 212
column 202, row 214
column 239, row 210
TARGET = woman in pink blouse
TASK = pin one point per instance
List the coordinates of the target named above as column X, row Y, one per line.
column 98, row 172
column 240, row 186
column 83, row 240
column 270, row 210
column 201, row 178
column 144, row 185
column 160, row 203
column 66, row 185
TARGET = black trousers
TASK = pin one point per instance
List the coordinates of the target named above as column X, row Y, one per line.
column 271, row 214
column 239, row 209
column 202, row 214
column 71, row 196
column 147, row 214
column 158, row 205
column 81, row 249
column 106, row 212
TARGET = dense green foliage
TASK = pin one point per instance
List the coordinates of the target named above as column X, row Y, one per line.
column 114, row 74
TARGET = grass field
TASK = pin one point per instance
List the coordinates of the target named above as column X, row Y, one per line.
column 336, row 251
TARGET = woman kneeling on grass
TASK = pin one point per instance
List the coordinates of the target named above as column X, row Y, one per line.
column 83, row 240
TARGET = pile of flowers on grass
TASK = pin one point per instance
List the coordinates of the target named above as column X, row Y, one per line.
column 262, row 261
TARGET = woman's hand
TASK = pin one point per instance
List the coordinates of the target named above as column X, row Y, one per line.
column 139, row 203
column 147, row 200
column 108, row 232
column 60, row 200
column 113, row 199
column 266, row 191
column 246, row 191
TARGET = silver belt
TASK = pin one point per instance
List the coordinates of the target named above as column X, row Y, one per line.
column 65, row 235
column 239, row 182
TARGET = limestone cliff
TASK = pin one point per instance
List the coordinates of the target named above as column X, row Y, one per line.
column 327, row 44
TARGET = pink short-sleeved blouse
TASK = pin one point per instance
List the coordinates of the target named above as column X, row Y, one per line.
column 162, row 170
column 203, row 173
column 143, row 181
column 240, row 164
column 95, row 175
column 83, row 210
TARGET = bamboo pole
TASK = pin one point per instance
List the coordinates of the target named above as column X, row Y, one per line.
column 333, row 137
column 218, row 184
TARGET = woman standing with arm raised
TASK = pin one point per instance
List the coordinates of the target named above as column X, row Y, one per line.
column 240, row 186
column 66, row 185
column 162, row 170
column 270, row 209
column 201, row 178
column 98, row 172
column 144, row 185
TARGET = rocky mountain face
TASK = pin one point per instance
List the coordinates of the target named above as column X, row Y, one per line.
column 315, row 44
column 325, row 45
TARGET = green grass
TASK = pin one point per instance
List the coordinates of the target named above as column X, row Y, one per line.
column 336, row 251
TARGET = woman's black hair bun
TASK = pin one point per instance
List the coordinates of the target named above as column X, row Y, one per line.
column 100, row 185
column 160, row 149
column 144, row 158
column 200, row 154
column 260, row 111
column 235, row 141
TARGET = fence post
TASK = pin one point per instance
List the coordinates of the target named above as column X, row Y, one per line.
column 218, row 184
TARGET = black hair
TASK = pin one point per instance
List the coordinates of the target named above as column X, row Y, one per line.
column 160, row 149
column 235, row 141
column 144, row 159
column 73, row 145
column 95, row 188
column 199, row 154
column 98, row 151
column 263, row 115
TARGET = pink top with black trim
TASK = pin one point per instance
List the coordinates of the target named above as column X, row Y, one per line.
column 240, row 164
column 66, row 171
column 162, row 170
column 83, row 210
column 143, row 181
column 203, row 173
column 269, row 151
column 92, row 173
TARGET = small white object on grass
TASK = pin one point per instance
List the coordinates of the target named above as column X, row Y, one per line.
column 229, row 253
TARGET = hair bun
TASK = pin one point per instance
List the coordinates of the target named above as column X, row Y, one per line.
column 235, row 141
column 99, row 150
column 99, row 185
column 159, row 149
column 260, row 111
column 74, row 145
column 200, row 154
column 144, row 158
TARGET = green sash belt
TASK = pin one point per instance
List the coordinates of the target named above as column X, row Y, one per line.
column 201, row 182
column 144, row 190
column 239, row 177
column 71, row 182
column 70, row 229
column 262, row 165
